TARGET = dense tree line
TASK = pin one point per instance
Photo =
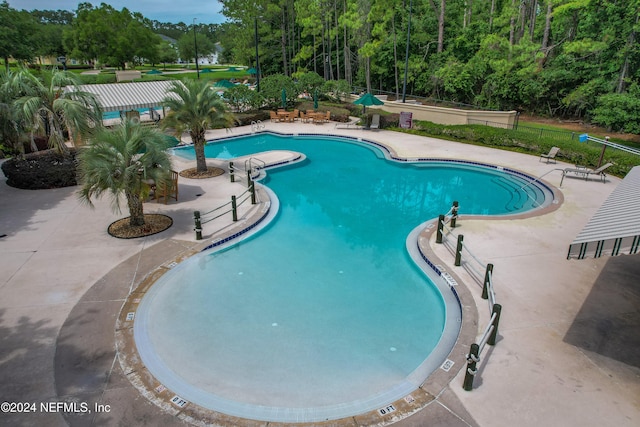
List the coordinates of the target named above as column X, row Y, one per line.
column 99, row 35
column 574, row 58
column 571, row 58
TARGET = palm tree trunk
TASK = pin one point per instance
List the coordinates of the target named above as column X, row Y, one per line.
column 135, row 209
column 198, row 146
column 201, row 160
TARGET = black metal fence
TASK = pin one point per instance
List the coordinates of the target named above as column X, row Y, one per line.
column 558, row 135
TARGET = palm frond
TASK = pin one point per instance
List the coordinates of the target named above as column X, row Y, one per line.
column 118, row 160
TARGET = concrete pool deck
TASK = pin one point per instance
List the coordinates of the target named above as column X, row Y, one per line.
column 567, row 351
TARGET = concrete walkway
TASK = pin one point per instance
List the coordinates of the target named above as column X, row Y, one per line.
column 567, row 352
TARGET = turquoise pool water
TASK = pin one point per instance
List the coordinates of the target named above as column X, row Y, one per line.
column 116, row 114
column 323, row 314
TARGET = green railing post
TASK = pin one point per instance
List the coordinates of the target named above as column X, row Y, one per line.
column 497, row 309
column 198, row 228
column 234, row 208
column 440, row 226
column 253, row 193
column 459, row 251
column 233, row 178
column 454, row 213
column 472, row 359
column 485, row 286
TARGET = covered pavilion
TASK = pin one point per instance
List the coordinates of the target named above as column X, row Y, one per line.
column 129, row 98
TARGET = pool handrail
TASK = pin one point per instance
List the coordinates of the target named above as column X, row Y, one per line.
column 198, row 217
column 491, row 331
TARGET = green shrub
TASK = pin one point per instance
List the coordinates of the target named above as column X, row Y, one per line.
column 243, row 119
column 242, row 99
column 105, row 78
column 271, row 89
column 571, row 151
column 619, row 111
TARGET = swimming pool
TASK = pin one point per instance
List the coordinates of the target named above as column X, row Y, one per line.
column 116, row 114
column 322, row 314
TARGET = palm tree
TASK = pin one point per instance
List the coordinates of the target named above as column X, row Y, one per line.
column 122, row 161
column 57, row 104
column 12, row 87
column 8, row 127
column 195, row 107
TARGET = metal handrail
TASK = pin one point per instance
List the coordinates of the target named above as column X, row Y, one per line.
column 249, row 161
column 488, row 292
column 613, row 145
column 256, row 125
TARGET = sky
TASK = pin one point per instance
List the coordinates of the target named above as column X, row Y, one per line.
column 205, row 11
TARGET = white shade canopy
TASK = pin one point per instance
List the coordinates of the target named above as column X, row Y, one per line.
column 128, row 96
column 615, row 228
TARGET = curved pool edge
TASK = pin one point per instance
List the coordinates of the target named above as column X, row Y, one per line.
column 434, row 384
column 410, row 401
column 406, row 392
column 390, row 154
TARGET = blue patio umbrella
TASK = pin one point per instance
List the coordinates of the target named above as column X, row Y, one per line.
column 367, row 100
column 315, row 99
column 284, row 98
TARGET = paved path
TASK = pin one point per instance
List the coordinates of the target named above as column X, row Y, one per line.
column 568, row 346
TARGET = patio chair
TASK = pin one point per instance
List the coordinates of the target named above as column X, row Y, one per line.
column 375, row 122
column 317, row 118
column 551, row 155
column 294, row 115
column 327, row 118
column 585, row 172
column 273, row 116
column 166, row 190
column 353, row 124
column 303, row 117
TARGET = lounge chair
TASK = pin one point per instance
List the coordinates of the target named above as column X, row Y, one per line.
column 551, row 155
column 585, row 172
column 166, row 190
column 353, row 124
column 375, row 122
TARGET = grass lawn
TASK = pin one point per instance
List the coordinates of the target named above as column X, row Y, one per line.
column 528, row 140
column 570, row 130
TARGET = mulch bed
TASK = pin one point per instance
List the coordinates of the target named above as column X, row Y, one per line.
column 210, row 173
column 154, row 223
